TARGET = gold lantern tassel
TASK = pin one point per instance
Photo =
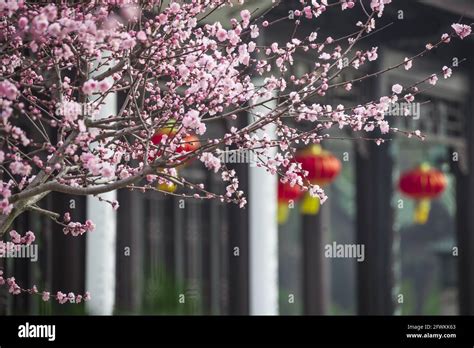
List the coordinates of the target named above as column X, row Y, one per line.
column 422, row 211
column 310, row 205
column 282, row 212
column 166, row 185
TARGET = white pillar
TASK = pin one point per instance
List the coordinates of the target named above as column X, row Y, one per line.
column 263, row 235
column 100, row 249
column 100, row 245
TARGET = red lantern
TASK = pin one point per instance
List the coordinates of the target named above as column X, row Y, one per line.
column 156, row 138
column 170, row 131
column 189, row 144
column 286, row 194
column 422, row 184
column 322, row 167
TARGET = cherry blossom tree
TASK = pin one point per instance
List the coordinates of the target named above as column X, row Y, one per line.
column 178, row 71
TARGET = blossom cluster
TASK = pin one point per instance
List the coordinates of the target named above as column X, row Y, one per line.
column 179, row 72
column 60, row 297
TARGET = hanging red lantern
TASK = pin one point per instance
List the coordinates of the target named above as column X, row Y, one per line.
column 286, row 194
column 190, row 142
column 168, row 131
column 322, row 167
column 422, row 184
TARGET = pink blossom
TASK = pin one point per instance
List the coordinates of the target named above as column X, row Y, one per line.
column 384, row 127
column 89, row 87
column 115, row 206
column 20, row 168
column 90, row 226
column 379, row 5
column 174, row 7
column 447, row 72
column 221, row 35
column 70, row 110
column 409, row 97
column 192, row 121
column 245, row 14
column 8, row 90
column 433, row 79
column 104, row 85
column 40, row 23
column 210, row 161
column 29, row 238
column 54, row 29
column 372, row 54
column 254, row 32
column 163, row 18
column 141, row 36
column 347, row 4
column 91, row 163
column 324, row 56
column 233, row 37
column 71, row 297
column 5, row 206
column 124, row 174
column 408, row 63
column 22, row 22
column 61, row 297
column 397, row 88
column 13, row 286
column 462, row 30
column 127, row 42
column 15, row 236
column 46, row 296
column 78, row 229
column 317, row 191
column 251, row 47
column 67, row 217
column 130, row 12
column 445, row 38
column 87, row 296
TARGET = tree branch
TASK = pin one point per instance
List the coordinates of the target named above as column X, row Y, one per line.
column 81, row 191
